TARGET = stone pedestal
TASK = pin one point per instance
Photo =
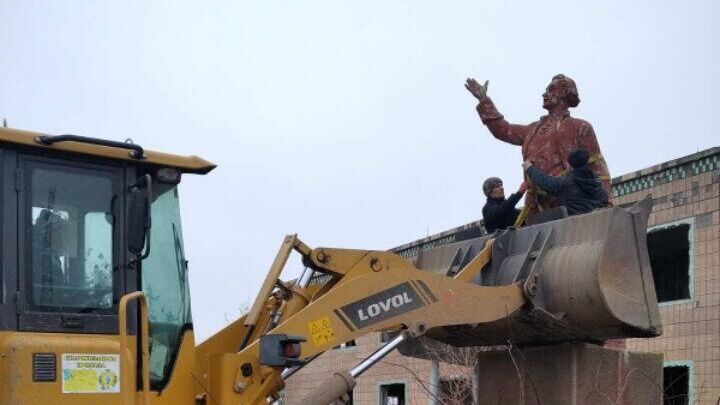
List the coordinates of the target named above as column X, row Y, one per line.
column 569, row 374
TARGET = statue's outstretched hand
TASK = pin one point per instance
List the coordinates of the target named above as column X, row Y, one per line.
column 477, row 90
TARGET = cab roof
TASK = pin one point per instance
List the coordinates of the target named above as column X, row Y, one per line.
column 187, row 164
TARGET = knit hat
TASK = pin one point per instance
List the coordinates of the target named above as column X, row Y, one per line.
column 578, row 158
column 490, row 184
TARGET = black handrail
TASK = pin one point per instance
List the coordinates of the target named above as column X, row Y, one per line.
column 136, row 152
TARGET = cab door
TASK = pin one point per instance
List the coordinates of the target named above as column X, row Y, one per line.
column 71, row 273
column 70, row 217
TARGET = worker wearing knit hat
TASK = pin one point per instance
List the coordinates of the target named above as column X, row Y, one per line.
column 499, row 212
column 490, row 183
column 578, row 158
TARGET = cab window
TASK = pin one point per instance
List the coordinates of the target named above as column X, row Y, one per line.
column 71, row 238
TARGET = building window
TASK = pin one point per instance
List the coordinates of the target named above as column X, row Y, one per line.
column 671, row 256
column 676, row 384
column 350, row 343
column 392, row 394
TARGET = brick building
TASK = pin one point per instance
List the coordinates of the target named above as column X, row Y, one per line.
column 684, row 246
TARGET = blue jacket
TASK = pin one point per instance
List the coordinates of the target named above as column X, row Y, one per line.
column 580, row 191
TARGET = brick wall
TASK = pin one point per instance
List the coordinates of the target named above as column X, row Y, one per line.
column 687, row 191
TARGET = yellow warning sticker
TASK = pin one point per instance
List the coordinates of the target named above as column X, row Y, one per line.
column 321, row 331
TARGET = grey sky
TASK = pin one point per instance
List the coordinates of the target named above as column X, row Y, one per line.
column 347, row 122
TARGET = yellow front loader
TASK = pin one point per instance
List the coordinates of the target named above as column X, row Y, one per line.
column 96, row 306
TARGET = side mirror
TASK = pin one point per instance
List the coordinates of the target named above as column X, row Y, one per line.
column 139, row 220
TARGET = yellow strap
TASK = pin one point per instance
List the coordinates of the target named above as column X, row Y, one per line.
column 477, row 264
column 521, row 217
column 595, row 159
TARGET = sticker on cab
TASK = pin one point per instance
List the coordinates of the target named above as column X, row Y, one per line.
column 321, row 331
column 89, row 373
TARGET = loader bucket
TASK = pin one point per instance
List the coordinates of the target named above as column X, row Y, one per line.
column 586, row 278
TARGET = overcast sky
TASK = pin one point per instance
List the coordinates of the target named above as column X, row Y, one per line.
column 347, row 122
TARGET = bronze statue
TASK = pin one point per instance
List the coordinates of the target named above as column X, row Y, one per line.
column 546, row 142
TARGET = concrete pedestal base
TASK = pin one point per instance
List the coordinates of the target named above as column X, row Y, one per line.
column 569, row 374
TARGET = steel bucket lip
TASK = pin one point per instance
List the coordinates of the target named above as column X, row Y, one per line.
column 638, row 215
column 616, row 217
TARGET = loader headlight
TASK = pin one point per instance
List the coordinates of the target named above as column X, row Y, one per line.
column 168, row 175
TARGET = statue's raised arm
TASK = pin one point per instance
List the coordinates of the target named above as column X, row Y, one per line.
column 491, row 117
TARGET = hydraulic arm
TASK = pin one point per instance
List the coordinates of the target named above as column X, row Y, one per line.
column 365, row 291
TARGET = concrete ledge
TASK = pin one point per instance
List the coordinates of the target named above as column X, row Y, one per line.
column 569, row 374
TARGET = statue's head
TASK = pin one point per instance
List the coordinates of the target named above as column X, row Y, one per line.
column 561, row 91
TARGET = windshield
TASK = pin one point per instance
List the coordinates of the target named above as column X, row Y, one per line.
column 164, row 281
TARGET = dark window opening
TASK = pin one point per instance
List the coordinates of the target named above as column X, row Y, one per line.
column 349, row 343
column 676, row 385
column 669, row 250
column 392, row 394
column 456, row 391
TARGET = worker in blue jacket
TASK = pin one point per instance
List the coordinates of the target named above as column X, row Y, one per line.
column 580, row 190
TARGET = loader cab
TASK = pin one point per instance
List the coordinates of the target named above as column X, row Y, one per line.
column 69, row 209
